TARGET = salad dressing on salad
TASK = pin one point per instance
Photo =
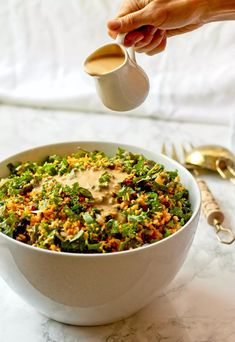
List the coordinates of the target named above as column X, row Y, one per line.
column 89, row 202
column 101, row 190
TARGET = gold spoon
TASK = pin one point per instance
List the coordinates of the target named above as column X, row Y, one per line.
column 214, row 158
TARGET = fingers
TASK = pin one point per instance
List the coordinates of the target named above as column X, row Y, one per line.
column 148, row 32
column 144, row 34
column 133, row 38
column 131, row 21
column 150, row 40
column 161, row 47
column 155, row 41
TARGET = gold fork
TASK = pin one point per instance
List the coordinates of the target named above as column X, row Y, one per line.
column 210, row 207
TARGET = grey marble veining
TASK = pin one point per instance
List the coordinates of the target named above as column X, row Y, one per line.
column 199, row 305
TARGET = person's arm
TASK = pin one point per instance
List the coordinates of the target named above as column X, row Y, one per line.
column 148, row 23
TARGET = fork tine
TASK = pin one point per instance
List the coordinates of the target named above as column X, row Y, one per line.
column 184, row 151
column 174, row 153
column 163, row 150
column 191, row 145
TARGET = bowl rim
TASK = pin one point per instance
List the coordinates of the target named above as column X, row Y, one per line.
column 119, row 253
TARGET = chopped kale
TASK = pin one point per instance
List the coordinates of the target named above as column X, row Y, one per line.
column 104, row 179
column 38, row 206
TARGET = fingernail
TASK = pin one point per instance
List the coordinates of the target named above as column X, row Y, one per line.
column 114, row 24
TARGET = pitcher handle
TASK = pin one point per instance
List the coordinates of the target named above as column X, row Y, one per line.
column 120, row 40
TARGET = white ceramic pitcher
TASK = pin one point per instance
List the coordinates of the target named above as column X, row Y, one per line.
column 125, row 87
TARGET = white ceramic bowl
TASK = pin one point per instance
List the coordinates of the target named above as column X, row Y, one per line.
column 99, row 288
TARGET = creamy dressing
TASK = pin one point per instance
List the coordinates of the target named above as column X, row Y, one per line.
column 103, row 64
column 89, row 179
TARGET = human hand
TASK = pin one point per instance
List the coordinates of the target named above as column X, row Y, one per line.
column 148, row 23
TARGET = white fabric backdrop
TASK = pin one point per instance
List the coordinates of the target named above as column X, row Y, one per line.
column 43, row 44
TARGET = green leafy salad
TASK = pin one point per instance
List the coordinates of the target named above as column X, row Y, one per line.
column 88, row 202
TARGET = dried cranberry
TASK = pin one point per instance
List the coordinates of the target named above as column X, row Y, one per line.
column 133, row 195
column 128, row 181
column 21, row 228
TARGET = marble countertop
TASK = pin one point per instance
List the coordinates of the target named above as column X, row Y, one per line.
column 199, row 304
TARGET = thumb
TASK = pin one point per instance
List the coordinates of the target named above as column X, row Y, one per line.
column 130, row 22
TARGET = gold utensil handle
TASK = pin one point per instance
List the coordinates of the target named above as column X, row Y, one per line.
column 210, row 206
column 214, row 215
